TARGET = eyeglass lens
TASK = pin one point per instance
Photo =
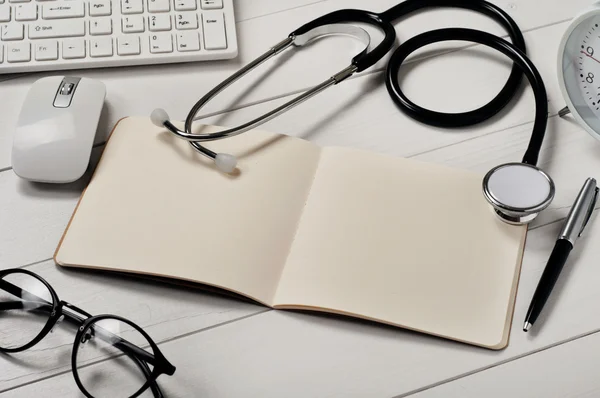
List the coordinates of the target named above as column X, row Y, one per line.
column 106, row 368
column 25, row 307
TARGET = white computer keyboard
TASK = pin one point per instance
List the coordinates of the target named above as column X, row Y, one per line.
column 38, row 35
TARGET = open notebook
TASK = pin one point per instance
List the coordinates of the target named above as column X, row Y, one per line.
column 339, row 230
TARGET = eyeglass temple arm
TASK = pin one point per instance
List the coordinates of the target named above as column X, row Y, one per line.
column 45, row 305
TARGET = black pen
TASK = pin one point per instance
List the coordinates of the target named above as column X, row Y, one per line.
column 575, row 223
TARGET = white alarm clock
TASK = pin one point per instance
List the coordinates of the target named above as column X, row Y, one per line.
column 579, row 69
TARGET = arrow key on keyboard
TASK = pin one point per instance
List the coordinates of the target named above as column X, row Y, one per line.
column 101, row 47
column 73, row 49
column 101, row 26
column 128, row 45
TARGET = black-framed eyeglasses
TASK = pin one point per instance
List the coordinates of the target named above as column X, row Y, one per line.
column 111, row 355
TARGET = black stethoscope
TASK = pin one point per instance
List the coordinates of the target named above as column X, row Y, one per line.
column 517, row 191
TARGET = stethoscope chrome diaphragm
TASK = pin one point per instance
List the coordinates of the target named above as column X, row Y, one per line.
column 518, row 192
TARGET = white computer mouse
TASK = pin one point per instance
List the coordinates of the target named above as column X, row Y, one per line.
column 56, row 129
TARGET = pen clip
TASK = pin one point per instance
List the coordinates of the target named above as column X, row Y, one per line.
column 590, row 211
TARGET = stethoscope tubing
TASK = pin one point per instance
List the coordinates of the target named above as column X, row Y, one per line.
column 504, row 96
column 368, row 57
column 521, row 61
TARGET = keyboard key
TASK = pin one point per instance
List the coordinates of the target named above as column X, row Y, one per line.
column 159, row 22
column 185, row 5
column 58, row 34
column 188, row 41
column 101, row 26
column 63, row 9
column 211, row 4
column 161, row 43
column 101, row 47
column 214, row 31
column 46, row 50
column 159, row 5
column 26, row 12
column 12, row 31
column 18, row 52
column 186, row 20
column 133, row 24
column 128, row 45
column 53, row 29
column 132, row 6
column 4, row 14
column 73, row 48
column 100, row 8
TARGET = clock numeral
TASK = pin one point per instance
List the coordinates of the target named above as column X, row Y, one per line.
column 590, row 78
column 590, row 51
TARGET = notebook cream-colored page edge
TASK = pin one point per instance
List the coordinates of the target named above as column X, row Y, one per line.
column 54, row 257
column 306, row 265
column 503, row 343
column 294, row 181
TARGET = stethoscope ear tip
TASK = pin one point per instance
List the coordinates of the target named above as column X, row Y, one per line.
column 225, row 162
column 159, row 116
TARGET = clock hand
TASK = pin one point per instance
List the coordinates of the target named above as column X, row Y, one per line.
column 589, row 56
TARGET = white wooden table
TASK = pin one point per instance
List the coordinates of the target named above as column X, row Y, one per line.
column 223, row 347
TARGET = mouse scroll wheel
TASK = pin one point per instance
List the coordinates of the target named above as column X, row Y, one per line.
column 67, row 89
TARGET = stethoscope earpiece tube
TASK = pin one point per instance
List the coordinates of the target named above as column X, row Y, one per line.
column 368, row 57
column 223, row 161
column 227, row 163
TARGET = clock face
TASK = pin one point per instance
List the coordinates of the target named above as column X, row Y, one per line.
column 579, row 61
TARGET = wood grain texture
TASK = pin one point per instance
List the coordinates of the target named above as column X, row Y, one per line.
column 357, row 113
column 572, row 368
column 295, row 354
column 138, row 90
column 163, row 310
column 34, row 215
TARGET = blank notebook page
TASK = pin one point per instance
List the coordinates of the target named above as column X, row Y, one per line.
column 155, row 206
column 406, row 243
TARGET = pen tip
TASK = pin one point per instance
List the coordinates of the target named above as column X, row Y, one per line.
column 526, row 326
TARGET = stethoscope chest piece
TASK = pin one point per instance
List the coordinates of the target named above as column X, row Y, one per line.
column 518, row 191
